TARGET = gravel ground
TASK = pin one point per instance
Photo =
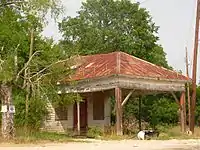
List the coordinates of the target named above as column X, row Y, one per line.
column 113, row 145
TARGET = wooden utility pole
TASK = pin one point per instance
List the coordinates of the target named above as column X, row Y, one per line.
column 194, row 72
column 188, row 88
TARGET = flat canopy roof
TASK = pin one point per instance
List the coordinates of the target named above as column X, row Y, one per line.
column 117, row 69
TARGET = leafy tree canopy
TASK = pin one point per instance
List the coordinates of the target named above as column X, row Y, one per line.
column 29, row 63
column 110, row 25
column 34, row 7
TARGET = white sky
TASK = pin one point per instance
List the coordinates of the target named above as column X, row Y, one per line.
column 176, row 19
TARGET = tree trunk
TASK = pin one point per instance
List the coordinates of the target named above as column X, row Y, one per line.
column 27, row 75
column 7, row 116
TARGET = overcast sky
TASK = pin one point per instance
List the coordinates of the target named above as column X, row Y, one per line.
column 176, row 19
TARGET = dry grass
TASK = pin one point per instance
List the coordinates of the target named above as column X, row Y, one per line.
column 23, row 138
column 166, row 133
column 175, row 133
column 32, row 137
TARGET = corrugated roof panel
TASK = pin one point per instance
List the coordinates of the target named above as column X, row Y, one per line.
column 106, row 64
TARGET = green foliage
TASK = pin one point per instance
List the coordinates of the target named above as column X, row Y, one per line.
column 37, row 111
column 156, row 110
column 31, row 73
column 94, row 132
column 10, row 42
column 66, row 99
column 162, row 110
column 110, row 25
column 19, row 102
column 197, row 113
column 15, row 28
column 37, row 8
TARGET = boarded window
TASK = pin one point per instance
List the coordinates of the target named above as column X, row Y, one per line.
column 98, row 107
column 61, row 113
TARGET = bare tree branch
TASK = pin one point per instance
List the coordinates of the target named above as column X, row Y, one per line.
column 38, row 79
column 26, row 65
column 1, row 60
column 44, row 69
column 16, row 58
column 1, row 63
column 11, row 2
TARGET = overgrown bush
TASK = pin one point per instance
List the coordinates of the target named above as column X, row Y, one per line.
column 110, row 130
column 94, row 132
column 130, row 125
column 37, row 111
column 155, row 110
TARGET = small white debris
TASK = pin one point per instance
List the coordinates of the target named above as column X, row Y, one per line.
column 189, row 132
column 59, row 92
column 141, row 135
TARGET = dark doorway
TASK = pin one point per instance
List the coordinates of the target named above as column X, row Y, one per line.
column 83, row 115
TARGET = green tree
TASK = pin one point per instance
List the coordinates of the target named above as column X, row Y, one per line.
column 35, row 7
column 110, row 25
column 159, row 109
column 197, row 113
column 27, row 61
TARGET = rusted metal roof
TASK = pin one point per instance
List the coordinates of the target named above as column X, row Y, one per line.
column 120, row 63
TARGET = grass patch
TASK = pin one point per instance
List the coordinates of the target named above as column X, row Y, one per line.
column 36, row 137
column 175, row 133
column 166, row 133
column 39, row 137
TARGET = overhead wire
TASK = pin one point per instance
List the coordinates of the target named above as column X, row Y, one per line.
column 144, row 1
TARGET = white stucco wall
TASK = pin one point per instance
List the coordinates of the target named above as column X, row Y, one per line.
column 61, row 126
column 107, row 113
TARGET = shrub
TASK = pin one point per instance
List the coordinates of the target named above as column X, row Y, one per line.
column 94, row 132
column 109, row 130
column 37, row 111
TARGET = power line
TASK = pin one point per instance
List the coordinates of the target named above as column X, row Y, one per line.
column 144, row 1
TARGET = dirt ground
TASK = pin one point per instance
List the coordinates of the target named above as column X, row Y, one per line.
column 112, row 145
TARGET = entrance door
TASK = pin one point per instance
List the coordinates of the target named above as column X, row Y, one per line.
column 83, row 115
